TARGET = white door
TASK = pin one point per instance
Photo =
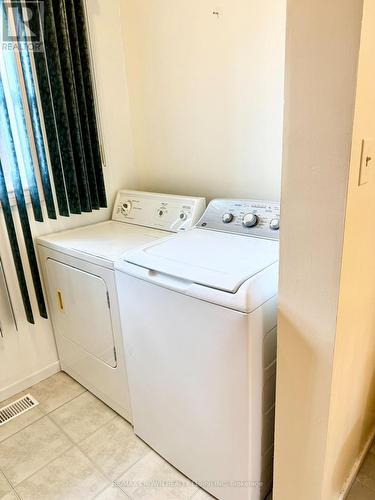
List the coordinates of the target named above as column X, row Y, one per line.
column 81, row 309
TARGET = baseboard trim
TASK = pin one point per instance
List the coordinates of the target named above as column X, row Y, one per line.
column 30, row 380
column 357, row 465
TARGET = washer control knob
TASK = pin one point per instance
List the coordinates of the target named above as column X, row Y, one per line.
column 227, row 218
column 250, row 220
column 183, row 216
column 275, row 224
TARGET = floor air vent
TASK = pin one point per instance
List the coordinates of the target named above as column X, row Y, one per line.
column 13, row 410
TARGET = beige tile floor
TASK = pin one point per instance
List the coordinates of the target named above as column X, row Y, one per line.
column 72, row 446
column 364, row 485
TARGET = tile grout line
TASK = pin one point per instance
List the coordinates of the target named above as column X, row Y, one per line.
column 63, row 404
column 196, row 493
column 73, row 444
column 144, row 456
column 112, row 481
column 20, row 430
column 100, row 428
column 47, row 416
column 109, row 486
column 127, row 469
column 79, row 442
column 105, row 423
column 14, row 486
column 41, row 468
column 77, row 445
column 90, row 435
column 9, row 484
column 16, row 493
column 44, row 414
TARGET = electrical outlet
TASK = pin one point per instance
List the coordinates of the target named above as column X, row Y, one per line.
column 367, row 161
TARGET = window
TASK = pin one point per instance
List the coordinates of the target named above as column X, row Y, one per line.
column 20, row 127
column 50, row 142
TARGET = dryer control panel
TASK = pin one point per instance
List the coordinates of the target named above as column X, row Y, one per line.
column 256, row 218
column 159, row 211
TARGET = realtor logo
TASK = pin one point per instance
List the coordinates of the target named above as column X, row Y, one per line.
column 22, row 25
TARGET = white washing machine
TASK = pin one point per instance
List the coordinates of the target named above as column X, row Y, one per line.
column 78, row 269
column 200, row 342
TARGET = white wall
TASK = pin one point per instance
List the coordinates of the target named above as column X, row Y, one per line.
column 321, row 75
column 352, row 409
column 206, row 94
column 31, row 355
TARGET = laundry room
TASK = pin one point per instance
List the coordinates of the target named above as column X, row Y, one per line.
column 182, row 190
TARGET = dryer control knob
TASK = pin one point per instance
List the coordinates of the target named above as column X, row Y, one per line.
column 126, row 207
column 250, row 220
column 227, row 218
column 275, row 224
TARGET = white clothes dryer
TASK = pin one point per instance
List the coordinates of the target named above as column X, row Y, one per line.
column 200, row 341
column 78, row 270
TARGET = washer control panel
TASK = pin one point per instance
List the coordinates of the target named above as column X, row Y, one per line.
column 159, row 211
column 246, row 217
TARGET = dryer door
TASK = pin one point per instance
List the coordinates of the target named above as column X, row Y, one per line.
column 81, row 309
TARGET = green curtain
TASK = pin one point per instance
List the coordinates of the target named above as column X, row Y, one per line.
column 8, row 145
column 55, row 62
column 67, row 71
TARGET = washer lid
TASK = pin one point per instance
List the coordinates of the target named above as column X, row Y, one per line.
column 213, row 259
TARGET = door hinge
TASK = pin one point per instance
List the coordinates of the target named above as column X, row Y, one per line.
column 115, row 354
column 108, row 301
